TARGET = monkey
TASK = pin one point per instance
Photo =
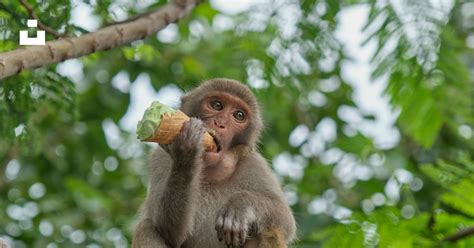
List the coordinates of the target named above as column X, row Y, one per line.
column 227, row 197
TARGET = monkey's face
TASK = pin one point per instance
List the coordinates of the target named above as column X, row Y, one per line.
column 226, row 116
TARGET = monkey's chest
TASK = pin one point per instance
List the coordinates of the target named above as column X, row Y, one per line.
column 204, row 234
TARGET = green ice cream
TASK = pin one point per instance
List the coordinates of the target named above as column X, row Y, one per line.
column 151, row 120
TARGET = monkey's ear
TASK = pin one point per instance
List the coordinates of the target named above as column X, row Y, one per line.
column 185, row 99
column 185, row 103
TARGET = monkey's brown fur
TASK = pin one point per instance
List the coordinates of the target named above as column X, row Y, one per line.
column 270, row 238
column 188, row 205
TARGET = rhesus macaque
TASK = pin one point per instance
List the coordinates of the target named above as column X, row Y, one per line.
column 222, row 198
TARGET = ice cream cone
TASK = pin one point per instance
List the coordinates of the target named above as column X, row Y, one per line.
column 170, row 127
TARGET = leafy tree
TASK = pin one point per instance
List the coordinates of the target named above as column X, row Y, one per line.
column 73, row 173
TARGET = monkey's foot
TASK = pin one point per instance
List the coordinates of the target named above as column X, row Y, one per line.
column 233, row 224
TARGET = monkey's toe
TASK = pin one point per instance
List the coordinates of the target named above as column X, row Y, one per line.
column 230, row 229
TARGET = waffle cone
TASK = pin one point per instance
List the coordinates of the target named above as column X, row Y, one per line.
column 170, row 127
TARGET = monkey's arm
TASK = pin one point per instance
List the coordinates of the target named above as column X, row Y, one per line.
column 174, row 186
column 258, row 206
column 263, row 211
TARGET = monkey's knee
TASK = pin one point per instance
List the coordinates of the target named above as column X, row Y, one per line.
column 271, row 238
column 145, row 236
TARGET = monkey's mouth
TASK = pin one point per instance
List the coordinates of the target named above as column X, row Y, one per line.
column 217, row 141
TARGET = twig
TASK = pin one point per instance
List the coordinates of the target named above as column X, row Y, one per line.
column 431, row 221
column 44, row 27
column 463, row 233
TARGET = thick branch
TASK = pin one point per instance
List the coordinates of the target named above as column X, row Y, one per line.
column 15, row 61
column 463, row 233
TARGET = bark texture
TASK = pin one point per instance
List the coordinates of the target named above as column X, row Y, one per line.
column 13, row 62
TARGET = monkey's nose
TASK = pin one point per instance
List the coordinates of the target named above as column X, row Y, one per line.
column 218, row 124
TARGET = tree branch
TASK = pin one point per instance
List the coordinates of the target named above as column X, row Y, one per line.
column 463, row 233
column 44, row 27
column 13, row 62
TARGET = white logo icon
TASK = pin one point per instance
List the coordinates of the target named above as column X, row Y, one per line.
column 40, row 38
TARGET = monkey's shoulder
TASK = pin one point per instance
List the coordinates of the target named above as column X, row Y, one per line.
column 254, row 163
column 160, row 160
column 255, row 172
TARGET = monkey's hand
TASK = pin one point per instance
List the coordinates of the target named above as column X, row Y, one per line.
column 187, row 146
column 233, row 224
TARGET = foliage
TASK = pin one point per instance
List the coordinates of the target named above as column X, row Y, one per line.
column 73, row 174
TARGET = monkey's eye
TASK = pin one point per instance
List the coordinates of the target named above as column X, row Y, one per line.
column 239, row 116
column 217, row 105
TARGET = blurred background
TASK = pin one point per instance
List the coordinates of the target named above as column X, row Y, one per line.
column 368, row 106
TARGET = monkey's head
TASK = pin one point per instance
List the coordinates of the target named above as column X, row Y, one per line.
column 229, row 109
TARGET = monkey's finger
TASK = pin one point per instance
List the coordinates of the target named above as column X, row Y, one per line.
column 220, row 225
column 228, row 227
column 219, row 228
column 192, row 134
column 196, row 129
column 197, row 124
column 235, row 232
column 242, row 236
column 219, row 222
column 184, row 130
column 167, row 148
column 228, row 223
column 220, row 235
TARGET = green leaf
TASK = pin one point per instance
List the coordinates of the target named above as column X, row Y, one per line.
column 460, row 197
column 441, row 177
column 88, row 197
